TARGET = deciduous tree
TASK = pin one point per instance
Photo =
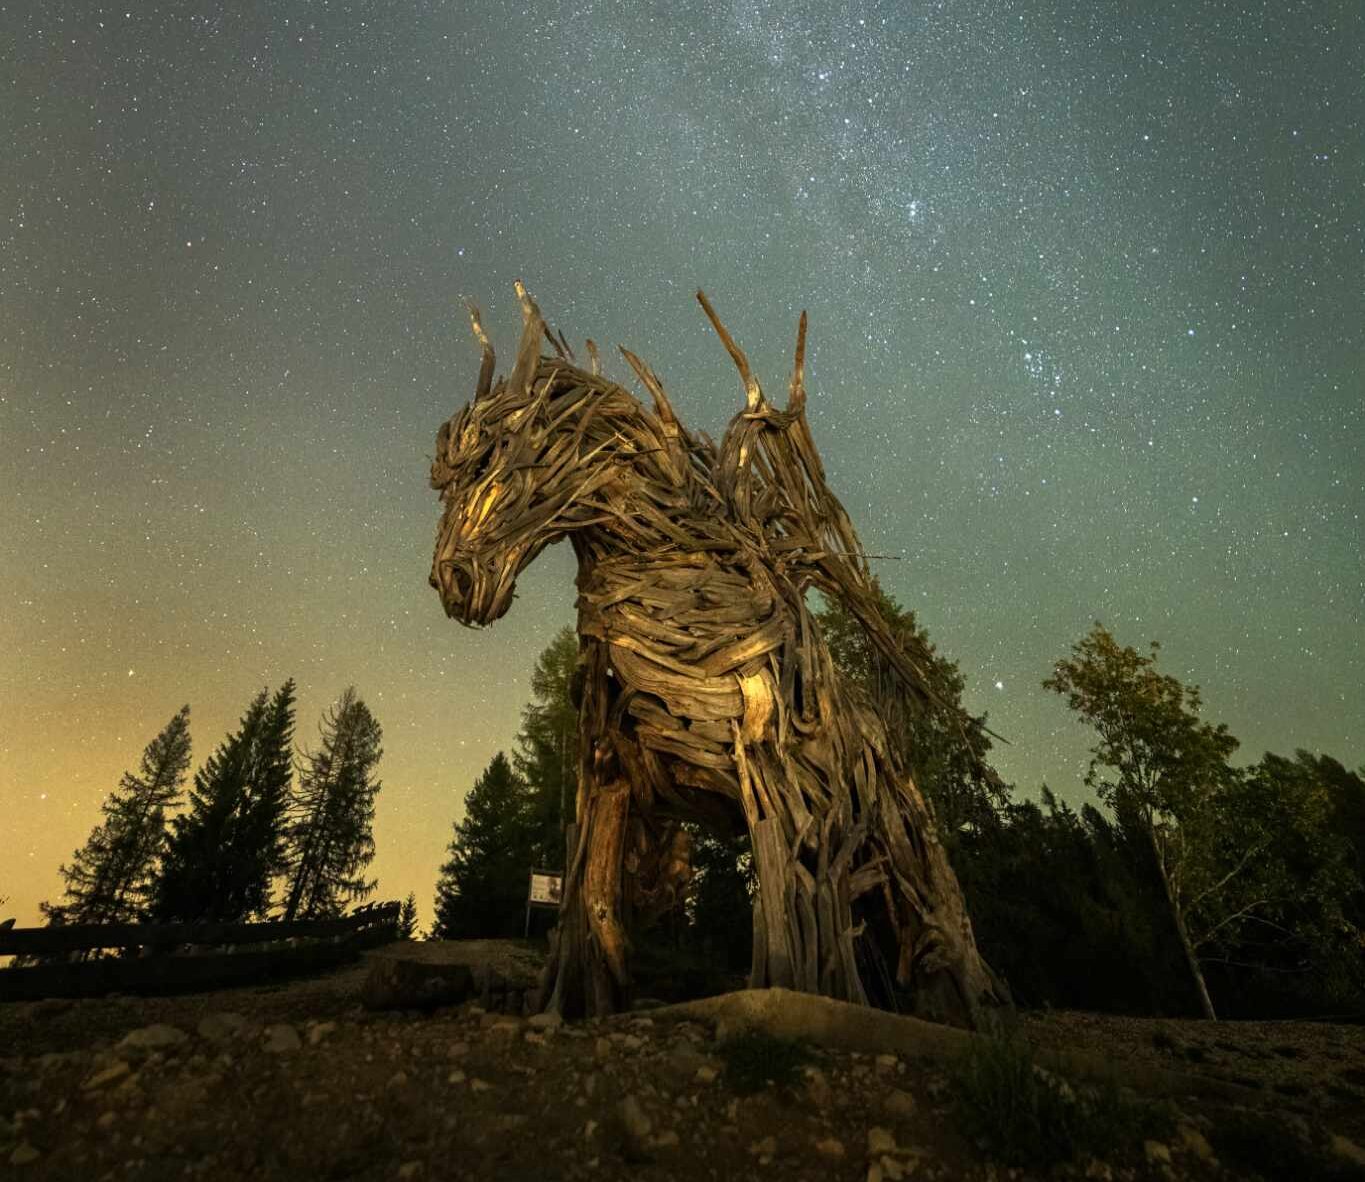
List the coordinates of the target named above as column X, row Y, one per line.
column 1156, row 761
column 1274, row 881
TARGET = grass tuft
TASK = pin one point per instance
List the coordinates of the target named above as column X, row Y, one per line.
column 1273, row 1151
column 755, row 1059
column 1024, row 1115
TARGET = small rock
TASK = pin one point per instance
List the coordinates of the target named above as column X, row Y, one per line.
column 706, row 1074
column 1055, row 1081
column 399, row 1079
column 764, row 1148
column 638, row 1125
column 105, row 1121
column 410, row 1169
column 887, row 1064
column 880, row 1141
column 1100, row 1171
column 899, row 1103
column 830, row 1147
column 480, row 1085
column 52, row 1060
column 1193, row 1141
column 546, row 1021
column 282, row 1039
column 50, row 1007
column 602, row 1048
column 317, row 1031
column 818, row 1090
column 456, row 1077
column 668, row 1139
column 458, row 1050
column 1157, row 1152
column 589, row 1129
column 23, row 1154
column 115, row 1071
column 220, row 1027
column 893, row 1170
column 1345, row 1148
column 156, row 1037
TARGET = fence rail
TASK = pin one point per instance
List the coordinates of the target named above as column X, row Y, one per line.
column 170, row 958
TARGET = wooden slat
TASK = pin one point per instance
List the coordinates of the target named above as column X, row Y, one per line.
column 181, row 974
column 83, row 937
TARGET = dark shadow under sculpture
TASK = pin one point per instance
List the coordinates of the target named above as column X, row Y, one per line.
column 708, row 690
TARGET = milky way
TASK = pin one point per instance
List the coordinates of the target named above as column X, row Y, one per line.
column 1085, row 295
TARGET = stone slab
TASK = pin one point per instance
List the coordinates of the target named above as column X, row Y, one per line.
column 417, row 975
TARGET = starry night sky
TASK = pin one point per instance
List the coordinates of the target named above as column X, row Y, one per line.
column 1086, row 286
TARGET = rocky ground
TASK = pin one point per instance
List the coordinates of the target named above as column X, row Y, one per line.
column 299, row 1081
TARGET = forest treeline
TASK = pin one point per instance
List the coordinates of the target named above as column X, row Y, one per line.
column 263, row 830
column 1188, row 884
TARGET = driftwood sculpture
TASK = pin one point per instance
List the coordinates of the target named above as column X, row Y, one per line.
column 708, row 691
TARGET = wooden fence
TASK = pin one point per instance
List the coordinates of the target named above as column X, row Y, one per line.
column 179, row 957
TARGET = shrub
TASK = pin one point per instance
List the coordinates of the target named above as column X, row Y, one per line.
column 1024, row 1115
column 1271, row 1150
column 754, row 1059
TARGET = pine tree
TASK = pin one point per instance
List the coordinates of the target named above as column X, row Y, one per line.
column 943, row 747
column 719, row 903
column 224, row 851
column 329, row 835
column 482, row 887
column 407, row 918
column 110, row 877
column 263, row 850
column 547, row 747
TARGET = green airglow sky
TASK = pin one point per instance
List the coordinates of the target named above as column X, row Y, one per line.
column 1085, row 294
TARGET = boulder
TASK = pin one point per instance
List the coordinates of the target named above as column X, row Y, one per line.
column 423, row 975
column 398, row 983
column 282, row 1039
column 157, row 1037
column 221, row 1027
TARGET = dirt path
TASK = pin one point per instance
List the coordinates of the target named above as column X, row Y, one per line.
column 298, row 1082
